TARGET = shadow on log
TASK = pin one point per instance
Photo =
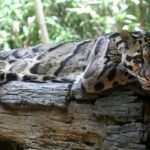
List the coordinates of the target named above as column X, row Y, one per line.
column 47, row 116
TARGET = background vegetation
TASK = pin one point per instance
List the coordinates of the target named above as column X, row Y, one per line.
column 69, row 19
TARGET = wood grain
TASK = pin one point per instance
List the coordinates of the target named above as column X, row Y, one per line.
column 49, row 116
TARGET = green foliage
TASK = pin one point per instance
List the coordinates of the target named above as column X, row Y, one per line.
column 69, row 19
column 18, row 25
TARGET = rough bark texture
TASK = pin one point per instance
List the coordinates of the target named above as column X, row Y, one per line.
column 47, row 116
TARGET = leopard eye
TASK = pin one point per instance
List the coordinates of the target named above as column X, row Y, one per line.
column 138, row 59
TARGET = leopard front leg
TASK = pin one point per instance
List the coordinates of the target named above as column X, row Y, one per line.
column 98, row 80
column 102, row 72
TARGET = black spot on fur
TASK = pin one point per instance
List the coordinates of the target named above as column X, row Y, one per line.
column 47, row 78
column 82, row 87
column 84, row 67
column 115, row 84
column 11, row 61
column 128, row 58
column 29, row 78
column 56, row 46
column 118, row 43
column 2, row 76
column 128, row 66
column 111, row 74
column 2, row 58
column 11, row 76
column 107, row 59
column 114, row 35
column 41, row 56
column 35, row 49
column 16, row 54
column 137, row 34
column 131, row 77
column 126, row 73
column 34, row 69
column 145, row 39
column 4, row 55
column 138, row 50
column 99, row 86
column 140, row 42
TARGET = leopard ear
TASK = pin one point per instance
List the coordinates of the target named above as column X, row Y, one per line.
column 127, row 37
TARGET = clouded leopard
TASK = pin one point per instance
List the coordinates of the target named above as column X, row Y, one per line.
column 96, row 65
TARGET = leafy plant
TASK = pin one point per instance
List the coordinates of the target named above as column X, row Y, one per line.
column 69, row 19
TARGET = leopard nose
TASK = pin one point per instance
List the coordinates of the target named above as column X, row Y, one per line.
column 148, row 78
column 147, row 74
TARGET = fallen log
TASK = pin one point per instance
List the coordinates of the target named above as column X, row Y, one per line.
column 49, row 116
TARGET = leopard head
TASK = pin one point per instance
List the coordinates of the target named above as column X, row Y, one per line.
column 136, row 56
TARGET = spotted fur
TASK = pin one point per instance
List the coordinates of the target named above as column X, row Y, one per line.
column 95, row 65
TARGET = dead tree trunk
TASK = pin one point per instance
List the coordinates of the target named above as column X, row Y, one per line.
column 48, row 116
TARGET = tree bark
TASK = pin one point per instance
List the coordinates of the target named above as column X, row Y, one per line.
column 49, row 116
